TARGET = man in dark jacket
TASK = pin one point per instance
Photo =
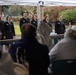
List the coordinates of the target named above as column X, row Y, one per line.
column 59, row 26
column 34, row 53
column 24, row 19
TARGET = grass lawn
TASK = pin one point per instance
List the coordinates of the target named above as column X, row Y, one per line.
column 17, row 30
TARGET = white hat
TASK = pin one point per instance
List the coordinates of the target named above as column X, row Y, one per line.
column 7, row 67
column 73, row 28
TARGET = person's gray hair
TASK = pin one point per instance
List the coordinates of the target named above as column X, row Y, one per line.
column 70, row 33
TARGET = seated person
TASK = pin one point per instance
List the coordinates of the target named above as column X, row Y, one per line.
column 7, row 67
column 28, row 49
column 43, row 33
column 66, row 48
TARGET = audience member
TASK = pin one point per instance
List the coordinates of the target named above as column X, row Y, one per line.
column 66, row 48
column 9, row 32
column 8, row 67
column 43, row 33
column 34, row 53
column 47, row 20
column 24, row 19
column 34, row 20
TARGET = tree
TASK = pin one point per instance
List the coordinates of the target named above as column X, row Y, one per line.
column 2, row 8
column 68, row 15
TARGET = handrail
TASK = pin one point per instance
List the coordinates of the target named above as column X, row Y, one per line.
column 55, row 37
column 8, row 40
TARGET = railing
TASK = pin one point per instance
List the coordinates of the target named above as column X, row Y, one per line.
column 57, row 36
column 54, row 38
column 8, row 40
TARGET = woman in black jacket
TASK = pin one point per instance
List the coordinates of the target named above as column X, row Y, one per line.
column 47, row 20
column 34, row 20
column 59, row 26
column 9, row 30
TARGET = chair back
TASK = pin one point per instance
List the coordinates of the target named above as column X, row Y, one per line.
column 64, row 67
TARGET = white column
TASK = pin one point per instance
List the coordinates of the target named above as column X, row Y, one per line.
column 38, row 13
column 42, row 10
